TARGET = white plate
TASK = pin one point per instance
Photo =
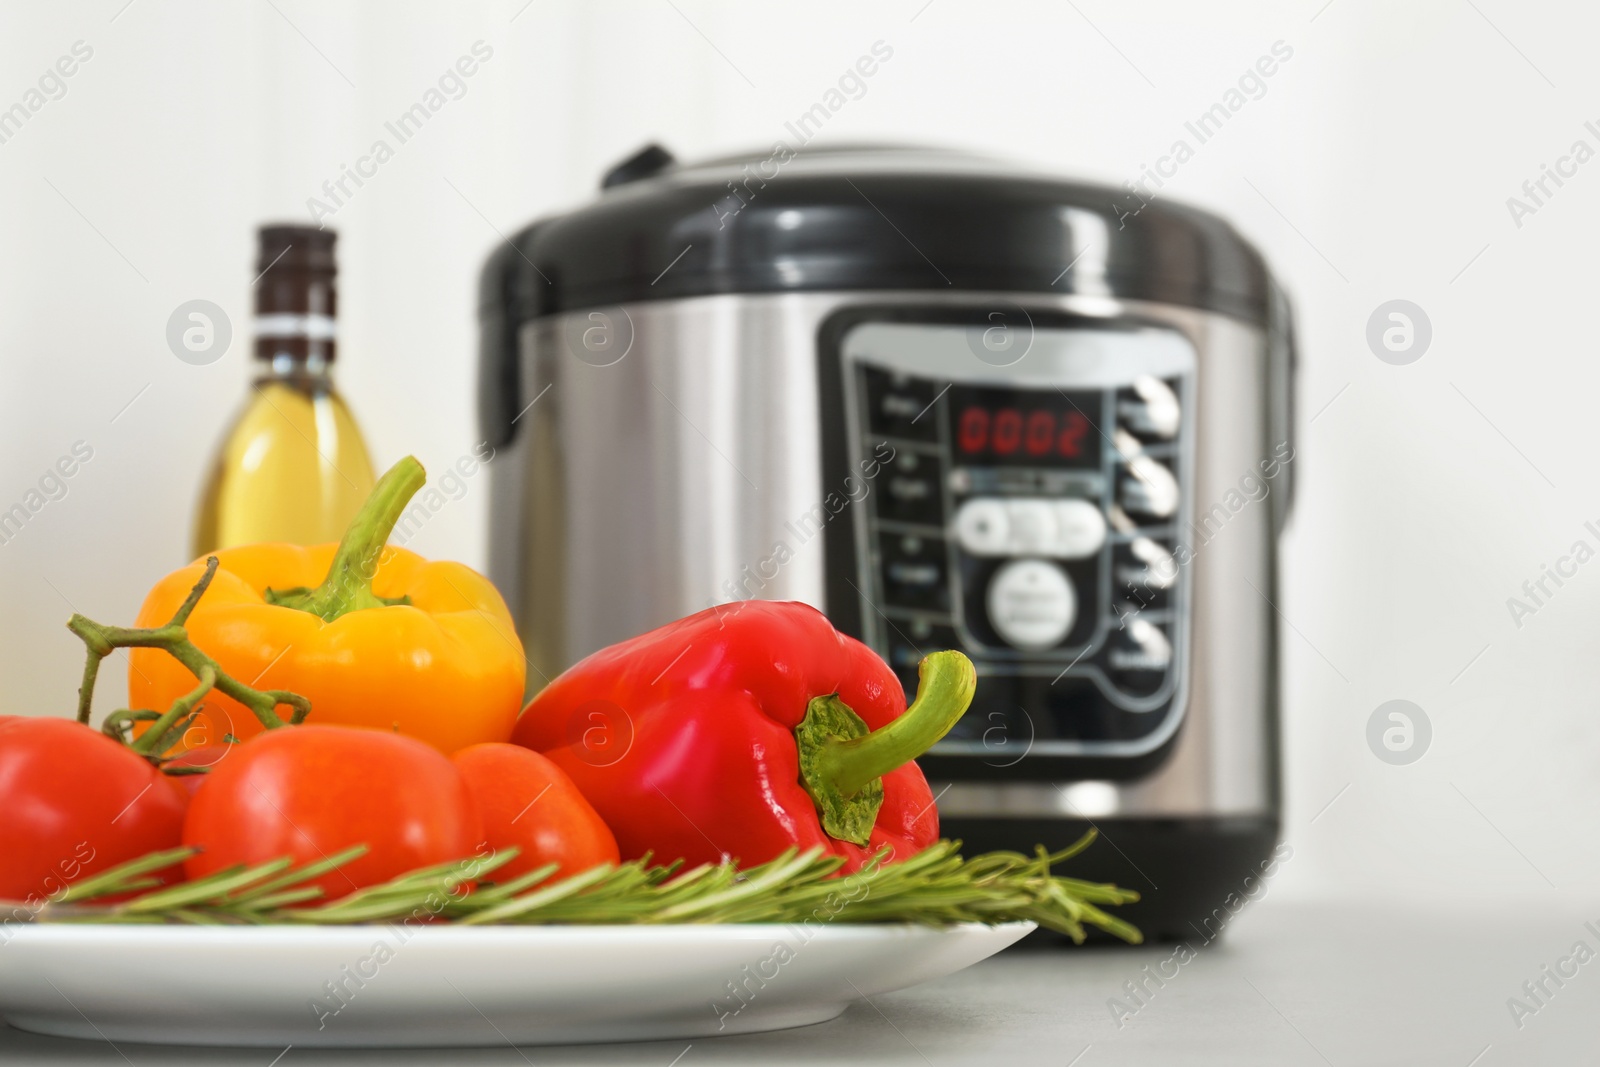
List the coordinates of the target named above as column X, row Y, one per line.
column 455, row 985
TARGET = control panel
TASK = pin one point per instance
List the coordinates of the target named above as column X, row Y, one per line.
column 1027, row 511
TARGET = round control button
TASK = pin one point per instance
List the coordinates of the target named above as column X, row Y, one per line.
column 1080, row 529
column 1031, row 604
column 1150, row 488
column 1160, row 567
column 1155, row 412
column 1143, row 647
column 983, row 528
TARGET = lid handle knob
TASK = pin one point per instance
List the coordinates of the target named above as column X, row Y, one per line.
column 649, row 161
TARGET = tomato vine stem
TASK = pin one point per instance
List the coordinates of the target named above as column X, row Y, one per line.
column 166, row 727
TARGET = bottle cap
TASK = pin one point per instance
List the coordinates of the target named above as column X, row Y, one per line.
column 296, row 293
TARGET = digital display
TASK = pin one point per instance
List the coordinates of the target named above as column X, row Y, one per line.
column 1013, row 427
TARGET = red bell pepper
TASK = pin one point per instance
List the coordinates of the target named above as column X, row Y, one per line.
column 743, row 730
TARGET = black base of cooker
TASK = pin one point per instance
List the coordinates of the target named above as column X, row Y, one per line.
column 1192, row 874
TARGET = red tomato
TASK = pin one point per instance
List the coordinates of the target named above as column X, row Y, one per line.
column 208, row 756
column 307, row 792
column 530, row 803
column 76, row 803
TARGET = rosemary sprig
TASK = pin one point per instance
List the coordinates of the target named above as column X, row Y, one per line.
column 936, row 887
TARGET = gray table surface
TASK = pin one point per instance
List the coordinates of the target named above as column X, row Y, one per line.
column 1290, row 984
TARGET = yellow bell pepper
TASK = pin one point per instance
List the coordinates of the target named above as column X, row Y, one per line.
column 386, row 640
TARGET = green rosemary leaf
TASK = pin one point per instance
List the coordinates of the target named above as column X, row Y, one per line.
column 301, row 874
column 123, row 878
column 758, row 881
column 524, row 905
column 498, row 891
column 281, row 899
column 1073, row 849
column 426, row 890
column 211, row 888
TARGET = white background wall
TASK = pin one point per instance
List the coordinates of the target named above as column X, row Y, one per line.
column 1376, row 166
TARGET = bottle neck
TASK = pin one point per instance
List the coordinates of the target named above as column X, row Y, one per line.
column 305, row 337
column 301, row 370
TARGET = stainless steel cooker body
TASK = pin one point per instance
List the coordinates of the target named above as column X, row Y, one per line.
column 671, row 459
column 952, row 404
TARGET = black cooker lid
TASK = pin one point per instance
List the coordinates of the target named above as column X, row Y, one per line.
column 858, row 218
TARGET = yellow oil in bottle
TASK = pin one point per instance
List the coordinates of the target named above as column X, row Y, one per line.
column 292, row 468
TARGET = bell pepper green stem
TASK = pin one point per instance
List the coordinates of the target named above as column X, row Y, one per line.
column 842, row 762
column 348, row 585
column 946, row 682
column 101, row 640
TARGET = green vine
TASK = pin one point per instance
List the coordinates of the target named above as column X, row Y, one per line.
column 166, row 728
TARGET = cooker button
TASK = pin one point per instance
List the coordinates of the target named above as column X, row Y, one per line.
column 1148, row 487
column 911, row 490
column 914, row 572
column 1080, row 529
column 1149, row 408
column 1033, row 526
column 1139, row 656
column 1142, row 647
column 983, row 527
column 1031, row 604
column 1147, row 564
column 902, row 406
column 914, row 575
